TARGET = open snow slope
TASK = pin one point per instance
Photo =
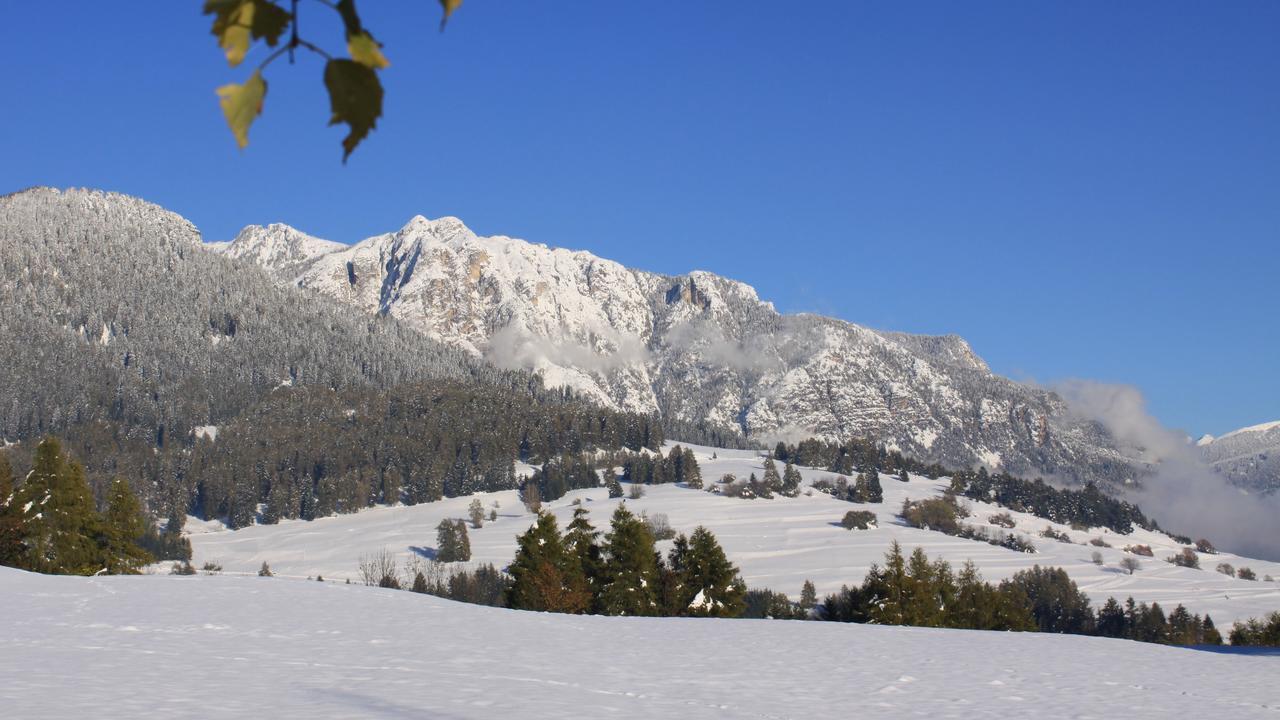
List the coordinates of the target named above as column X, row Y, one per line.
column 208, row 647
column 777, row 543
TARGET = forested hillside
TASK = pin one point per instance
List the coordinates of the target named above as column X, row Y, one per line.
column 211, row 388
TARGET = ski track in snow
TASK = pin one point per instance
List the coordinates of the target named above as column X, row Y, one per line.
column 777, row 543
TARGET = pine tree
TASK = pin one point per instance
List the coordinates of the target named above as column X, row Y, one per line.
column 706, row 583
column 631, row 568
column 790, row 481
column 888, row 586
column 692, row 473
column 580, row 542
column 1209, row 633
column 123, row 527
column 60, row 524
column 11, row 525
column 544, row 576
column 611, row 482
column 1112, row 621
column 875, row 493
column 476, row 511
column 808, row 596
column 419, row 583
column 771, row 480
column 452, row 543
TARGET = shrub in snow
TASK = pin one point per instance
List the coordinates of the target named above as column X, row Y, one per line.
column 858, row 520
column 1050, row 533
column 1004, row 520
column 1187, row 559
column 660, row 527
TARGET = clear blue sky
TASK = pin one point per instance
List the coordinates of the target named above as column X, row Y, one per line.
column 1081, row 189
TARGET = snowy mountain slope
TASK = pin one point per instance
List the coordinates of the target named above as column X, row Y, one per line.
column 123, row 318
column 1249, row 457
column 281, row 250
column 175, row 647
column 778, row 543
column 704, row 351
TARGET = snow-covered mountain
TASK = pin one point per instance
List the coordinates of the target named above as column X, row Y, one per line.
column 283, row 251
column 703, row 351
column 1249, row 457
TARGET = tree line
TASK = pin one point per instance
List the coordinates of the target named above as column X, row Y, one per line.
column 1087, row 506
column 912, row 590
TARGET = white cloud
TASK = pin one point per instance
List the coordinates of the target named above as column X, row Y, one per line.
column 1185, row 495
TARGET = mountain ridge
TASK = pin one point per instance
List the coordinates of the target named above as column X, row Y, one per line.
column 701, row 350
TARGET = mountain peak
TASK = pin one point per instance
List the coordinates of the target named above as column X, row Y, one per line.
column 444, row 227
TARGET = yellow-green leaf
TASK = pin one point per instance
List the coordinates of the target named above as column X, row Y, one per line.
column 449, row 6
column 234, row 39
column 367, row 51
column 355, row 97
column 242, row 104
column 237, row 23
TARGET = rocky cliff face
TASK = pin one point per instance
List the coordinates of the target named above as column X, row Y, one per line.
column 703, row 351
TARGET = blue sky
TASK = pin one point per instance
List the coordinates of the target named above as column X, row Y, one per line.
column 1080, row 189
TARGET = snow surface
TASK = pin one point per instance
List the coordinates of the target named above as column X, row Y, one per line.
column 209, row 647
column 777, row 543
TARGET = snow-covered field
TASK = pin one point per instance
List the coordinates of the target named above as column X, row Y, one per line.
column 777, row 543
column 207, row 647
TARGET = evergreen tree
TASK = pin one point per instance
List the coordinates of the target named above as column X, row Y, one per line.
column 1057, row 602
column 888, row 588
column 808, row 596
column 1209, row 634
column 875, row 493
column 1184, row 629
column 706, row 583
column 580, row 542
column 122, row 530
column 419, row 583
column 790, row 481
column 452, row 543
column 692, row 473
column 544, row 576
column 11, row 525
column 60, row 524
column 631, row 568
column 611, row 482
column 771, row 479
column 476, row 511
column 1112, row 621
